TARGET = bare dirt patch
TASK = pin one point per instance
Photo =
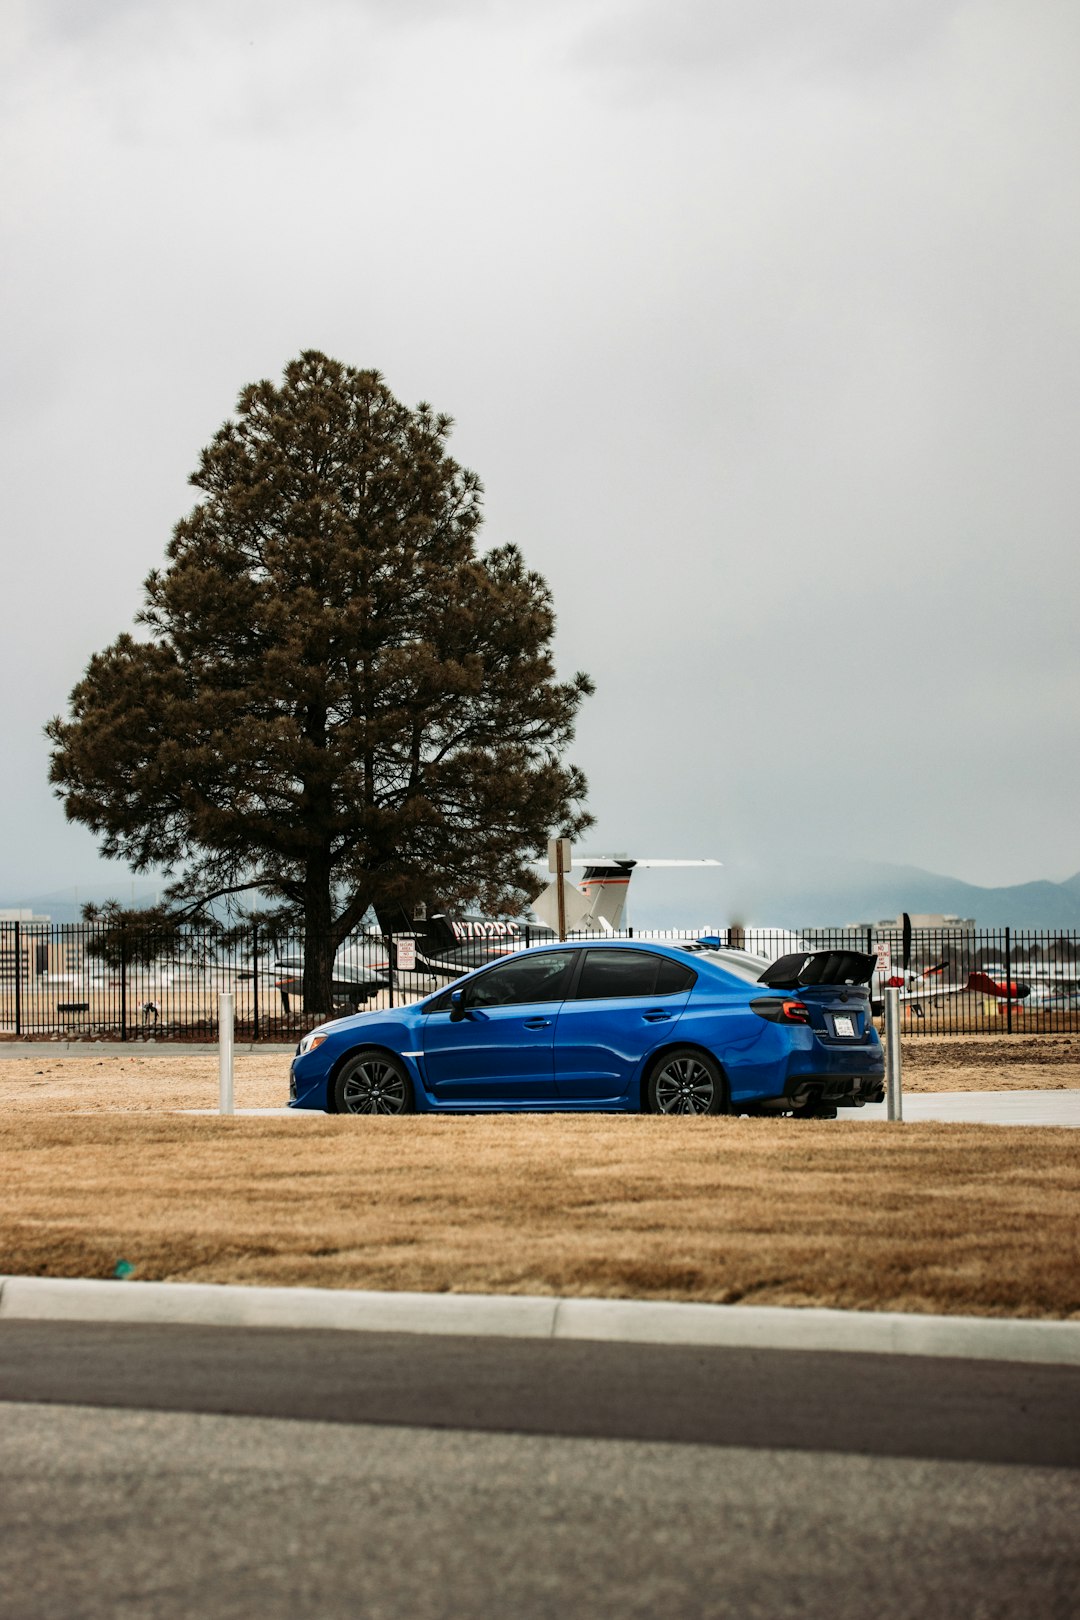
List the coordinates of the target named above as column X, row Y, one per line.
column 991, row 1063
column 953, row 1218
column 156, row 1082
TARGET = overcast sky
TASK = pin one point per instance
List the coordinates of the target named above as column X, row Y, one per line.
column 759, row 320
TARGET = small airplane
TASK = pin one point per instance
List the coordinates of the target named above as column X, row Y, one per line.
column 920, row 987
column 447, row 946
column 361, row 970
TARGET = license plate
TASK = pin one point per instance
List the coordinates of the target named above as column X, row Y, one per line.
column 843, row 1024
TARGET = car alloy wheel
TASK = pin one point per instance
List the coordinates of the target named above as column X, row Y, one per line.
column 373, row 1083
column 686, row 1083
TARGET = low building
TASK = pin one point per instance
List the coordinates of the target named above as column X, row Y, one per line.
column 942, row 921
column 34, row 947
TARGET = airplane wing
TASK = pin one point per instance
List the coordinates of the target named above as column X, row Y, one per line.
column 627, row 860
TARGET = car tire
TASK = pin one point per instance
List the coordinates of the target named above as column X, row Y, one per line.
column 685, row 1081
column 373, row 1082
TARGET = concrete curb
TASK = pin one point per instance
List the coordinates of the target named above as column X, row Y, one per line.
column 541, row 1317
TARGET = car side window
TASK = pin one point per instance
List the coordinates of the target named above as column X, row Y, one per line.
column 523, row 979
column 630, row 973
column 673, row 977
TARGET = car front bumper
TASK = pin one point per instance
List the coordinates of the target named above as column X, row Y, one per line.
column 307, row 1089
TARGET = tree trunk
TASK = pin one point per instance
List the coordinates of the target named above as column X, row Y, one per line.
column 318, row 942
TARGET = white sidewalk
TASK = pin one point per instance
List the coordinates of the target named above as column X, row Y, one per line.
column 981, row 1107
column 964, row 1107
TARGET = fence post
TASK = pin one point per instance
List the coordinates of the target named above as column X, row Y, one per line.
column 18, row 978
column 894, row 1107
column 123, row 982
column 1008, row 981
column 255, row 980
column 389, row 938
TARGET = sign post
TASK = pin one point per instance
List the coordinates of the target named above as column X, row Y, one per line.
column 226, row 1011
column 559, row 862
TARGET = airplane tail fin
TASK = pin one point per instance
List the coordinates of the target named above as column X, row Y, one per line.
column 606, row 886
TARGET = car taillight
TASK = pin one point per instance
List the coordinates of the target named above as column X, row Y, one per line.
column 778, row 1010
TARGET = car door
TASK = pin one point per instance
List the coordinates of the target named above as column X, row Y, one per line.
column 500, row 1050
column 626, row 1002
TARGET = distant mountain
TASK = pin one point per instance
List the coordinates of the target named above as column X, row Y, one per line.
column 865, row 892
column 822, row 896
column 838, row 892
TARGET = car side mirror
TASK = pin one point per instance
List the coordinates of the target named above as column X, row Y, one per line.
column 458, row 1005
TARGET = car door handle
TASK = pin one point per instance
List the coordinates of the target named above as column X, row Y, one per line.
column 537, row 1023
column 657, row 1017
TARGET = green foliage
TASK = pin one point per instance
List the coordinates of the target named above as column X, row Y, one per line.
column 122, row 937
column 336, row 700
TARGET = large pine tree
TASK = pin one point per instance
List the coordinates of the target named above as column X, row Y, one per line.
column 337, row 700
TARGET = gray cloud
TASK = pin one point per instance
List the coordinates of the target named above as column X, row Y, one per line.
column 690, row 40
column 776, row 379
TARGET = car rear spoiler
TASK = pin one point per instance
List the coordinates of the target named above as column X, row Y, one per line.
column 819, row 967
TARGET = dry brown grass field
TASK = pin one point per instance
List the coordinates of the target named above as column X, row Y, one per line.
column 98, row 1169
column 960, row 1218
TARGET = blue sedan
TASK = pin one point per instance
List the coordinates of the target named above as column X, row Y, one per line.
column 620, row 1026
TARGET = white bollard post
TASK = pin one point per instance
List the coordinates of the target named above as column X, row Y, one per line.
column 894, row 1106
column 226, row 1007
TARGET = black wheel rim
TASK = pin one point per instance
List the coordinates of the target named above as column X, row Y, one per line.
column 684, row 1086
column 373, row 1087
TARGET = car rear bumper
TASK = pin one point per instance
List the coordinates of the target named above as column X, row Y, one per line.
column 802, row 1091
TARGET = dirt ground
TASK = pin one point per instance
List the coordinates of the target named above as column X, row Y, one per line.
column 162, row 1081
column 101, row 1174
column 991, row 1063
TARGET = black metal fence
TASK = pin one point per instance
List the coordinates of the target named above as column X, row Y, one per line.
column 104, row 982
column 961, row 981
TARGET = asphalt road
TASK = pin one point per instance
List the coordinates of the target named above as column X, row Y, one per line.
column 174, row 1472
column 882, row 1405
